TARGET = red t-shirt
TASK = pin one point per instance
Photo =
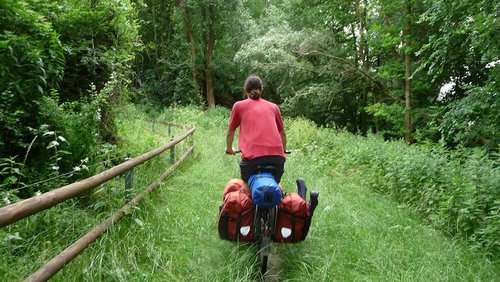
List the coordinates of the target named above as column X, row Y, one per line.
column 260, row 126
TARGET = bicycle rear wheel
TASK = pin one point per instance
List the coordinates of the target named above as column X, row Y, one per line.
column 264, row 250
column 265, row 234
column 263, row 264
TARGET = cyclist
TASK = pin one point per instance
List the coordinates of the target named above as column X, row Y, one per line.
column 262, row 138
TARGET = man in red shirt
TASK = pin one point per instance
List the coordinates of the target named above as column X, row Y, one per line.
column 262, row 138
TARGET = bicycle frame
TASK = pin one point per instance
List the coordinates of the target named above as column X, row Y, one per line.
column 266, row 211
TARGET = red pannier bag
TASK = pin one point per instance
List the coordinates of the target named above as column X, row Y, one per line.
column 293, row 220
column 235, row 184
column 235, row 222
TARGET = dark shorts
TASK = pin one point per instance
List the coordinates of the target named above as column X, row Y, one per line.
column 248, row 166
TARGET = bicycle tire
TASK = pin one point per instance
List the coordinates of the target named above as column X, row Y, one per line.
column 263, row 265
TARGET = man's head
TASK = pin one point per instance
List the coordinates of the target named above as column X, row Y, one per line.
column 253, row 87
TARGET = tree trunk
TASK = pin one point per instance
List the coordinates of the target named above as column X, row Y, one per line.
column 162, row 26
column 208, row 71
column 407, row 37
column 353, row 34
column 362, row 51
column 190, row 38
column 377, row 122
column 155, row 37
column 209, row 42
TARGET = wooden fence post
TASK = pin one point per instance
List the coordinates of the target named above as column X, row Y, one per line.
column 129, row 178
column 172, row 152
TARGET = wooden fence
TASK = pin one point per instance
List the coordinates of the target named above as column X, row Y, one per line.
column 17, row 211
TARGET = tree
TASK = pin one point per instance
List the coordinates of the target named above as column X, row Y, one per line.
column 362, row 52
column 462, row 52
column 205, row 22
column 207, row 14
column 190, row 37
column 407, row 34
column 64, row 63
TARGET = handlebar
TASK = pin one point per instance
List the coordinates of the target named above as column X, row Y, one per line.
column 238, row 151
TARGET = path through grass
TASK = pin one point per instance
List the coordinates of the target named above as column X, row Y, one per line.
column 357, row 235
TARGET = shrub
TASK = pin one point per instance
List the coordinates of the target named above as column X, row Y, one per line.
column 455, row 190
column 32, row 63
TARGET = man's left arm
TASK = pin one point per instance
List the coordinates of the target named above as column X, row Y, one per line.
column 229, row 142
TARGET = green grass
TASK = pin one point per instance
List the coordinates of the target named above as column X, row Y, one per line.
column 356, row 234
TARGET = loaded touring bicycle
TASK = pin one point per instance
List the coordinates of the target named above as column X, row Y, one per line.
column 262, row 213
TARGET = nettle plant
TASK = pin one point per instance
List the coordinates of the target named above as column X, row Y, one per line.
column 55, row 147
column 11, row 174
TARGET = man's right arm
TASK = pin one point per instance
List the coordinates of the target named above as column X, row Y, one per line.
column 283, row 139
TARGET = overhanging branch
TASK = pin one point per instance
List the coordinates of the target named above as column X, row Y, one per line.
column 365, row 74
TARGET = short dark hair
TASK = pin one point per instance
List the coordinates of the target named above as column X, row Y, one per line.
column 253, row 87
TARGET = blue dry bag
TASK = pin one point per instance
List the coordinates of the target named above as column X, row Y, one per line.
column 265, row 190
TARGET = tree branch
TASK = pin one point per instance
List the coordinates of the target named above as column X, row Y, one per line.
column 377, row 82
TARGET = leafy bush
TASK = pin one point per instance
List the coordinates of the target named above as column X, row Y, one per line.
column 457, row 191
column 50, row 121
column 78, row 123
column 99, row 37
column 67, row 136
column 32, row 63
column 391, row 114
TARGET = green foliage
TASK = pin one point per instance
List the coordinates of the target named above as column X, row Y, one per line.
column 308, row 53
column 162, row 70
column 176, row 61
column 392, row 115
column 427, row 122
column 65, row 140
column 100, row 39
column 77, row 123
column 32, row 63
column 474, row 119
column 51, row 53
column 330, row 92
column 469, row 29
column 312, row 86
column 272, row 57
column 11, row 174
column 229, row 75
column 456, row 191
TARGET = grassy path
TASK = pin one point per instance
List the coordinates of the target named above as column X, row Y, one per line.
column 357, row 235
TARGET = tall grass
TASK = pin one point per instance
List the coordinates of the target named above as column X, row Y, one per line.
column 357, row 233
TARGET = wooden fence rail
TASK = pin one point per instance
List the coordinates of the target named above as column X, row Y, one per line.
column 17, row 211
